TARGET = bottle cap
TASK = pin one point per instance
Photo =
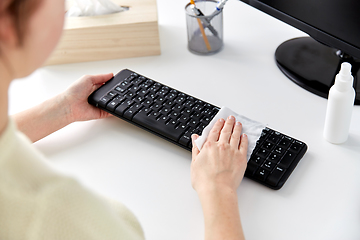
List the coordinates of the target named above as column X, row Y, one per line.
column 344, row 79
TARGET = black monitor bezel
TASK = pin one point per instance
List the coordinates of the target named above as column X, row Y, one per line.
column 314, row 32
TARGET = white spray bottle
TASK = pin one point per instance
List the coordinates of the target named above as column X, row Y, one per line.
column 340, row 105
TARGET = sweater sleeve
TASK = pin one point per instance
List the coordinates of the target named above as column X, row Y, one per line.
column 67, row 210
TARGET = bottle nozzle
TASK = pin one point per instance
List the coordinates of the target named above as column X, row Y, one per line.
column 345, row 69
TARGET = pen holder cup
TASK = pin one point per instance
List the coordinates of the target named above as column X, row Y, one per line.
column 204, row 27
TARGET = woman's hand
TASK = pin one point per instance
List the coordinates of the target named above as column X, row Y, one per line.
column 75, row 98
column 63, row 109
column 216, row 173
column 222, row 160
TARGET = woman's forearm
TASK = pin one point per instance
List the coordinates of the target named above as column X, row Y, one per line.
column 43, row 119
column 221, row 215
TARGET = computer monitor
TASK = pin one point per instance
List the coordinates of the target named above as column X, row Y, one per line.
column 334, row 30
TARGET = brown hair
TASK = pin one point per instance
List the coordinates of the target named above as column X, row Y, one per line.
column 20, row 12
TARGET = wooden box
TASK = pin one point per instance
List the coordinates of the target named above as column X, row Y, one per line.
column 132, row 33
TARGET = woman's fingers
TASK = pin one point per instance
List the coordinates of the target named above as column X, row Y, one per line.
column 243, row 144
column 215, row 131
column 227, row 130
column 195, row 150
column 101, row 78
column 236, row 135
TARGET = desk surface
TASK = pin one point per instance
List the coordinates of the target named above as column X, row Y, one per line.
column 321, row 199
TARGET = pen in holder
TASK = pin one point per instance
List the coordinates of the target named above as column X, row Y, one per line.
column 204, row 27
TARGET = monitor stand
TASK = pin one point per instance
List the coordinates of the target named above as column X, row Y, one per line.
column 313, row 66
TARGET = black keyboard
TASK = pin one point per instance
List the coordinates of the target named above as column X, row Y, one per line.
column 175, row 116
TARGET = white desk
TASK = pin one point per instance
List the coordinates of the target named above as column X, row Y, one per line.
column 321, row 199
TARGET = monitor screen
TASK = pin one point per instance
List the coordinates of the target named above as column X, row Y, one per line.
column 334, row 23
column 337, row 18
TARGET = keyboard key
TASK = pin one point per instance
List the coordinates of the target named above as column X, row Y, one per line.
column 257, row 159
column 280, row 150
column 123, row 107
column 198, row 108
column 287, row 159
column 183, row 119
column 164, row 119
column 275, row 176
column 206, row 120
column 134, row 89
column 274, row 157
column 112, row 94
column 264, row 134
column 183, row 127
column 268, row 145
column 138, row 81
column 268, row 165
column 146, row 110
column 146, row 84
column 151, row 96
column 263, row 153
column 178, row 108
column 261, row 174
column 130, row 95
column 189, row 104
column 130, row 78
column 138, row 99
column 285, row 142
column 159, row 100
column 251, row 168
column 193, row 123
column 154, row 115
column 104, row 100
column 169, row 104
column 157, row 126
column 129, row 113
column 166, row 111
column 185, row 139
column 174, row 115
column 120, row 89
column 132, row 110
column 147, row 102
column 171, row 96
column 296, row 146
column 201, row 127
column 114, row 103
column 142, row 92
column 173, row 123
column 187, row 112
column 180, row 99
column 275, row 137
column 125, row 84
column 207, row 112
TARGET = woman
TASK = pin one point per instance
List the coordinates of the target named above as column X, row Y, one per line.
column 36, row 202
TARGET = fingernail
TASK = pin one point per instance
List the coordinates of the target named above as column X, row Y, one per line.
column 244, row 135
column 231, row 117
column 238, row 123
column 221, row 120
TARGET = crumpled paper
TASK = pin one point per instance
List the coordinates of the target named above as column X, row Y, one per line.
column 80, row 8
column 252, row 129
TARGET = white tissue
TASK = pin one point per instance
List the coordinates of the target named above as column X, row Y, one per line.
column 82, row 8
column 250, row 127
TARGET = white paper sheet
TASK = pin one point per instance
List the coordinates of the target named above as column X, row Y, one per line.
column 250, row 127
column 80, row 8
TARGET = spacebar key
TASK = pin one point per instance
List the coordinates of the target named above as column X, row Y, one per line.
column 142, row 119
